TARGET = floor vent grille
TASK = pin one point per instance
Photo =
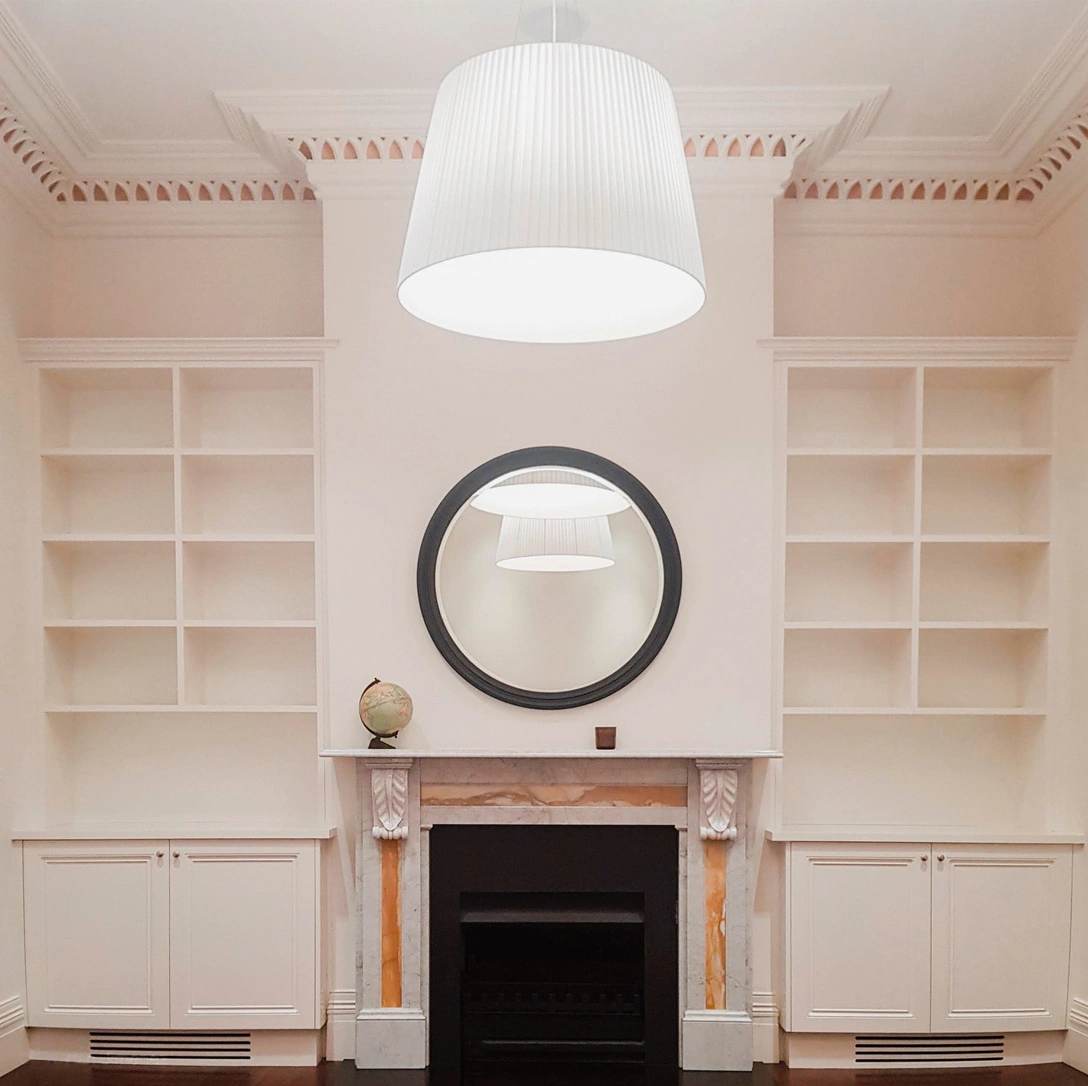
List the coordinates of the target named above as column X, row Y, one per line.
column 929, row 1050
column 124, row 1046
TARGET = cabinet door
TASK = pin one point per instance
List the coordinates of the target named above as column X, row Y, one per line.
column 859, row 938
column 1000, row 937
column 97, row 945
column 243, row 935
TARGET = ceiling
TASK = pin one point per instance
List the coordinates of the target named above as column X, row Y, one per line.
column 148, row 69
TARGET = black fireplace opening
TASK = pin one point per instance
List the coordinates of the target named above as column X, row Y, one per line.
column 552, row 977
column 553, row 946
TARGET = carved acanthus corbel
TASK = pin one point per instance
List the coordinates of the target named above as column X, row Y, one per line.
column 389, row 788
column 718, row 785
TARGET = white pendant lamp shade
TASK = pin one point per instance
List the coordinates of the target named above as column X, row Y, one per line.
column 549, row 494
column 554, row 546
column 553, row 203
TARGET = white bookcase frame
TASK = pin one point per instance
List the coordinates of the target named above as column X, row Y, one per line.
column 915, row 509
column 164, row 461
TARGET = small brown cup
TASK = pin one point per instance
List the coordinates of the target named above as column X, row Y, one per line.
column 606, row 738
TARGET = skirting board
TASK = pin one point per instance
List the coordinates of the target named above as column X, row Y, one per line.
column 765, row 1029
column 270, row 1048
column 390, row 1038
column 836, row 1050
column 14, row 1050
column 340, row 1025
column 716, row 1041
column 1075, row 1050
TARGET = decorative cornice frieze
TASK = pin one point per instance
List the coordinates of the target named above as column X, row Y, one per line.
column 890, row 188
column 30, row 155
column 744, row 145
column 1059, row 159
column 389, row 791
column 189, row 191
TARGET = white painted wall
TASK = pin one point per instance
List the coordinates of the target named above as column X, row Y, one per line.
column 876, row 284
column 24, row 272
column 187, row 286
column 1063, row 251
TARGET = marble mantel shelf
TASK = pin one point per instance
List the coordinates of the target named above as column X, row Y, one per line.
column 509, row 755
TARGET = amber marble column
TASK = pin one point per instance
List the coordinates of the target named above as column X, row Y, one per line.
column 391, row 933
column 714, row 864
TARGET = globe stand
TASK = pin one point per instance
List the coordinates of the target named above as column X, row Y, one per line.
column 377, row 743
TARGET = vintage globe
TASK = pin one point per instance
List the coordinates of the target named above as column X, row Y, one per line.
column 385, row 709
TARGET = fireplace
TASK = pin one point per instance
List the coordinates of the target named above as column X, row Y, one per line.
column 533, row 910
column 553, row 943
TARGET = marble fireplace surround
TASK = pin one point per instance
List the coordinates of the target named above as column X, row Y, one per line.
column 403, row 793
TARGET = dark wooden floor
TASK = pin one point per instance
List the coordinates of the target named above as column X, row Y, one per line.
column 344, row 1074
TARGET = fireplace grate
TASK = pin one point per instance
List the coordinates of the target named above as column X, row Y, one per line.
column 512, row 997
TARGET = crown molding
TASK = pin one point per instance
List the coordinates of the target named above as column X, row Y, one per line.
column 220, row 219
column 886, row 218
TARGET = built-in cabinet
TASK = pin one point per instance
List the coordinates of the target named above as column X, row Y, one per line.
column 172, row 934
column 927, row 938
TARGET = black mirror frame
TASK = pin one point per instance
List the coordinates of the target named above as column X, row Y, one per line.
column 524, row 459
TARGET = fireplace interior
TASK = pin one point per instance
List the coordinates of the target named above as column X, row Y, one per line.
column 563, row 945
column 552, row 977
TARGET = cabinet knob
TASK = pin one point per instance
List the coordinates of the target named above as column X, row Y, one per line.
column 177, row 855
column 159, row 854
column 924, row 859
column 940, row 858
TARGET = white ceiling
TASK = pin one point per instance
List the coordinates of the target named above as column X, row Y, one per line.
column 143, row 70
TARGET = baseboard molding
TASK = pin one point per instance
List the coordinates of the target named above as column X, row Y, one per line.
column 1075, row 1049
column 271, row 1048
column 14, row 1049
column 340, row 1025
column 764, row 1028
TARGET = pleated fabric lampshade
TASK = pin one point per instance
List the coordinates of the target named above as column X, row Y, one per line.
column 553, row 203
column 552, row 494
column 554, row 546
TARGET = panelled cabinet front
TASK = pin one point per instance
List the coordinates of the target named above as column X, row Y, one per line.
column 243, row 951
column 97, row 938
column 930, row 938
column 1001, row 921
column 172, row 934
column 859, row 938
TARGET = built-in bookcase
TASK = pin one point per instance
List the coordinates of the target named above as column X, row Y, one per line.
column 180, row 562
column 916, row 570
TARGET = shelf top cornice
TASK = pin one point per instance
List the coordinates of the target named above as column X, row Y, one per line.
column 982, row 350
column 267, row 349
column 178, row 831
column 945, row 835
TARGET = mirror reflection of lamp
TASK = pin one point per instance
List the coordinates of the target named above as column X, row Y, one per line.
column 555, row 546
column 553, row 521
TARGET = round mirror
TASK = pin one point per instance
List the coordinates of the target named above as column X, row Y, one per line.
column 549, row 577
